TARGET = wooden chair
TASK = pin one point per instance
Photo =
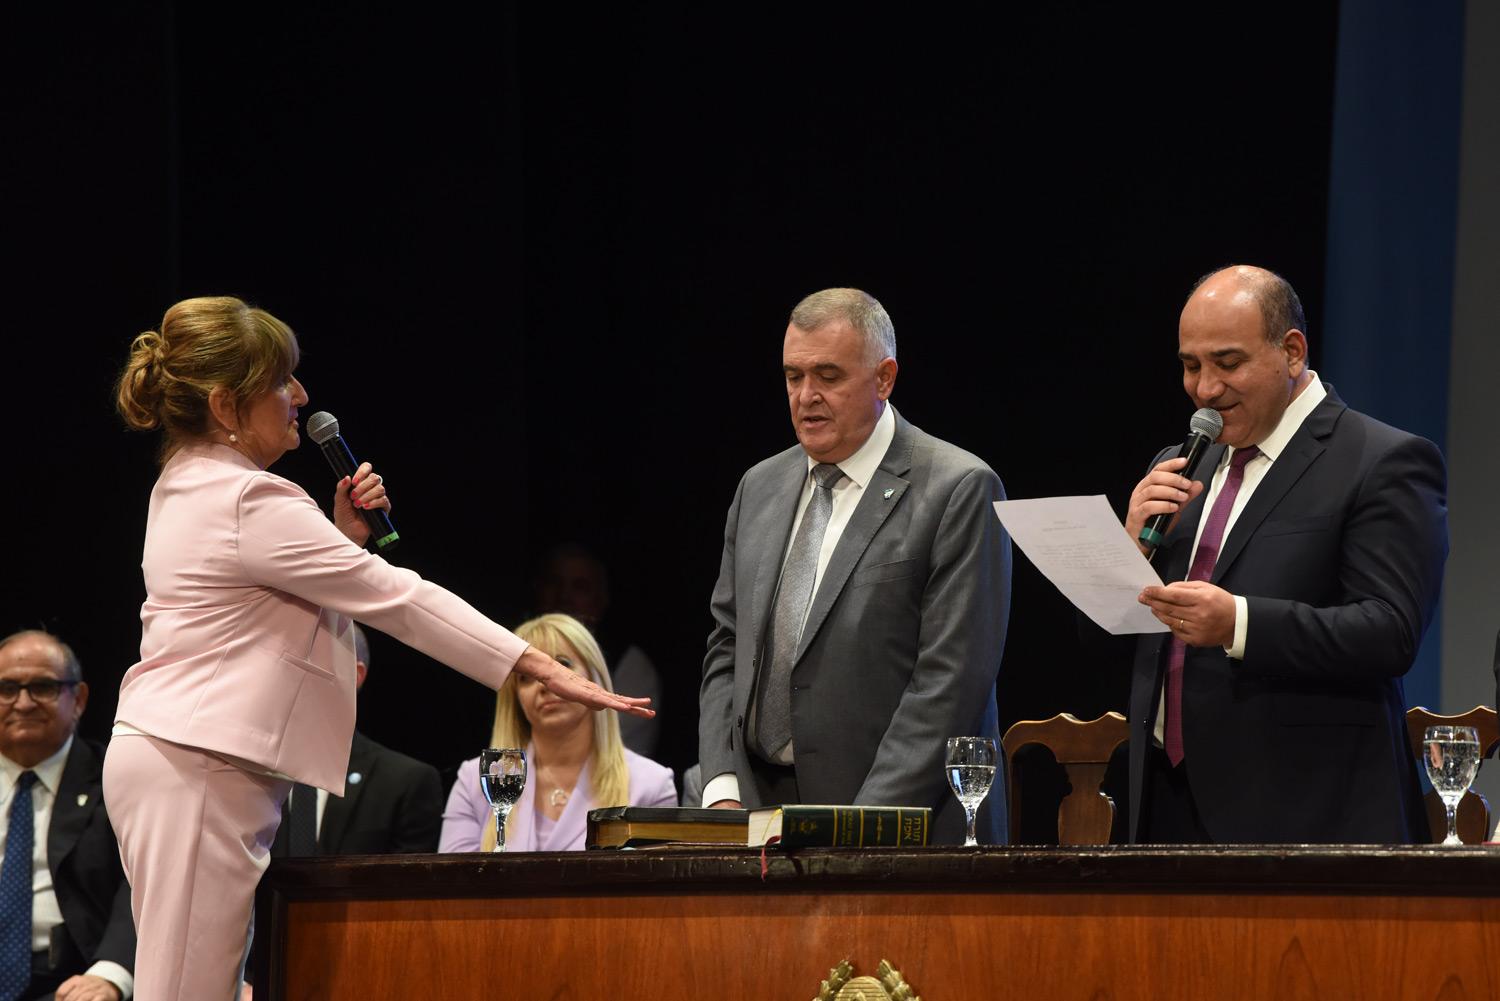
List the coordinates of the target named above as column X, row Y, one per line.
column 1474, row 824
column 1083, row 750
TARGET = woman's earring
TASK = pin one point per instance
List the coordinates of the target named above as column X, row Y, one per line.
column 233, row 436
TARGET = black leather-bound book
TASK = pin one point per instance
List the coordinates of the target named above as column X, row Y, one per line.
column 641, row 826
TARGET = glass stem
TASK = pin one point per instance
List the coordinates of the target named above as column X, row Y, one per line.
column 971, row 813
column 500, row 813
column 1452, row 809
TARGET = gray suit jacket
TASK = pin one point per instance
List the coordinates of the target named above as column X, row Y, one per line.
column 903, row 639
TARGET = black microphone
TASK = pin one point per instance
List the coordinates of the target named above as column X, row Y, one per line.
column 1203, row 430
column 323, row 429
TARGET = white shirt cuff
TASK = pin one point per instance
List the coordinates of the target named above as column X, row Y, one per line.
column 724, row 786
column 1236, row 650
column 115, row 974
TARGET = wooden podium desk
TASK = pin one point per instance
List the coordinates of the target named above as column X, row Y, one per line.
column 1097, row 924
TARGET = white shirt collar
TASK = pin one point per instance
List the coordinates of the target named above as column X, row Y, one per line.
column 1291, row 418
column 48, row 772
column 860, row 467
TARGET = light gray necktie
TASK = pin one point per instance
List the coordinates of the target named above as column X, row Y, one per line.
column 773, row 722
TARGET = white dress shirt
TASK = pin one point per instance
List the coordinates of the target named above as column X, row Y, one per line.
column 1255, row 470
column 858, row 470
column 45, row 912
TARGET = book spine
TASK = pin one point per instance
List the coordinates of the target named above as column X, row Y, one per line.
column 853, row 827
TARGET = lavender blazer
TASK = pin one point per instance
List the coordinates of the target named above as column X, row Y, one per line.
column 468, row 814
column 246, row 645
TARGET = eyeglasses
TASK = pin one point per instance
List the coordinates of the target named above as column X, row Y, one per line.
column 43, row 690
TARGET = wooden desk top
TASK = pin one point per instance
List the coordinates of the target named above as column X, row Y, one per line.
column 1416, row 869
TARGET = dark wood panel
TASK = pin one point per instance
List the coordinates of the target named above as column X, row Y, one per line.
column 951, row 945
column 1116, row 924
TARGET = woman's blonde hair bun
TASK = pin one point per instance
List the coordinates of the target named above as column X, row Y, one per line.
column 203, row 344
column 139, row 392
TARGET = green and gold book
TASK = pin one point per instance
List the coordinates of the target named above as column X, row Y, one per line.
column 809, row 826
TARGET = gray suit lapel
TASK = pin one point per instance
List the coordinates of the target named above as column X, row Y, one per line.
column 766, row 526
column 772, row 529
column 874, row 507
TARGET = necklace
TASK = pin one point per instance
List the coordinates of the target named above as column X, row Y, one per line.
column 553, row 778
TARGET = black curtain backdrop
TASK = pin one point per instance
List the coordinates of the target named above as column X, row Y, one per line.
column 541, row 262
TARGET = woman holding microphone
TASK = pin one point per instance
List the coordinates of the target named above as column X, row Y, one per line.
column 246, row 677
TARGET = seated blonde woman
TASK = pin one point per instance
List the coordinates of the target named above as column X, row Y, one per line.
column 574, row 759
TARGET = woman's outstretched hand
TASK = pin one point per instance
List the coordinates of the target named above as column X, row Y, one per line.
column 567, row 684
column 364, row 491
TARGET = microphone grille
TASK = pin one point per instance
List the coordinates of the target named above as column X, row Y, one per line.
column 323, row 426
column 1207, row 422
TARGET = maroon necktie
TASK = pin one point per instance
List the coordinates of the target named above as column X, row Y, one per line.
column 1204, row 559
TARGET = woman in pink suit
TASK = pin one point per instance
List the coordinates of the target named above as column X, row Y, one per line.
column 575, row 760
column 246, row 678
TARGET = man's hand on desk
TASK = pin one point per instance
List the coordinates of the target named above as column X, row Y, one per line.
column 727, row 804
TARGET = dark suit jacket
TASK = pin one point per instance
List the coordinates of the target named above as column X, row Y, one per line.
column 86, row 874
column 903, row 638
column 395, row 806
column 1339, row 554
column 1497, row 669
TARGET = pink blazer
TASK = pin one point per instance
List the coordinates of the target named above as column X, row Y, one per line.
column 246, row 646
column 468, row 814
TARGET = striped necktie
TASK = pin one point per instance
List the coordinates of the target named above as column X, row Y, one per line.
column 773, row 717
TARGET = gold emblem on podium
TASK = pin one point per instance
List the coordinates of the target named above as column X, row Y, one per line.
column 886, row 985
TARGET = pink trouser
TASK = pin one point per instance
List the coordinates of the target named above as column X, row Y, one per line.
column 195, row 835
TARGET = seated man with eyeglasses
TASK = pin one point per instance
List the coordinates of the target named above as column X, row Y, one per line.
column 65, row 921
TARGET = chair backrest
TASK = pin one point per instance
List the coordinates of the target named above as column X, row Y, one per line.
column 1083, row 750
column 1473, row 820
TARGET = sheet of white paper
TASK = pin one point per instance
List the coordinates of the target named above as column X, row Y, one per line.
column 1080, row 546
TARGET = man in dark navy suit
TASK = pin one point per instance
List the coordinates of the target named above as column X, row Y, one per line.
column 1302, row 572
column 68, row 928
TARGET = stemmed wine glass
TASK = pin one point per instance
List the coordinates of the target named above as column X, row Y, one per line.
column 1452, row 757
column 970, row 765
column 502, row 777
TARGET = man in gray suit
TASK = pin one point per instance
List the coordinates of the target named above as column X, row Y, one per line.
column 862, row 600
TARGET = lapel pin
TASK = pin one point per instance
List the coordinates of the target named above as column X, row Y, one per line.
column 888, row 492
column 354, row 778
column 83, row 799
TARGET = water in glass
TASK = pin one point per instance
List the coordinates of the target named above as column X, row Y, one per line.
column 971, row 783
column 502, row 790
column 970, row 766
column 502, row 778
column 1451, row 754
